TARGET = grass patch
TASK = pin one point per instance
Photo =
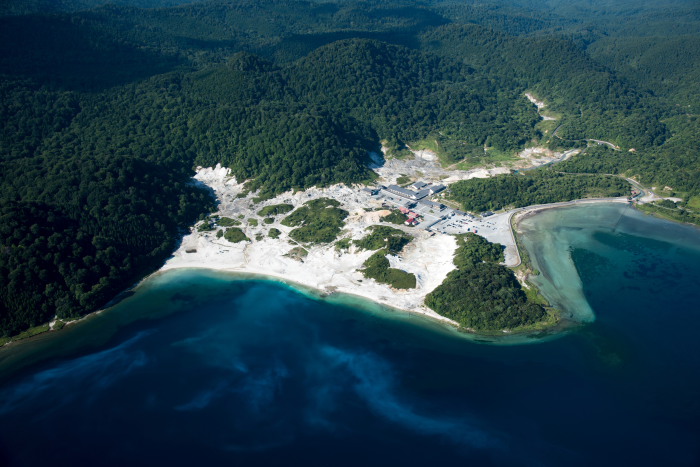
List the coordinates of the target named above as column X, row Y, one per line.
column 274, row 233
column 535, row 296
column 525, row 261
column 431, row 144
column 253, row 222
column 401, row 154
column 32, row 332
column 298, row 253
column 396, row 150
column 275, row 210
column 669, row 210
column 269, row 220
column 263, row 197
column 403, row 180
column 694, row 203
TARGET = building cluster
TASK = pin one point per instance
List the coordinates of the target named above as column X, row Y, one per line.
column 420, row 190
column 413, row 202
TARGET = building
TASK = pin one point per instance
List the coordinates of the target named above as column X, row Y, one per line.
column 422, row 194
column 397, row 190
column 419, row 185
column 431, row 204
column 434, row 189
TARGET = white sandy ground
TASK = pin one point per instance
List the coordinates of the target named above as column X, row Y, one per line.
column 428, row 256
column 325, row 269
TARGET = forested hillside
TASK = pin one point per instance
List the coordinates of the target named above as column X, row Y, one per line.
column 593, row 102
column 107, row 108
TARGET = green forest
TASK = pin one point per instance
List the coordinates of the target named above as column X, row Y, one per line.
column 481, row 295
column 108, row 107
column 534, row 187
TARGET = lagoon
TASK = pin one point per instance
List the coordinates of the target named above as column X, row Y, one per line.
column 201, row 367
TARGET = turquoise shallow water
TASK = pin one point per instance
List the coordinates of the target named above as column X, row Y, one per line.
column 200, row 368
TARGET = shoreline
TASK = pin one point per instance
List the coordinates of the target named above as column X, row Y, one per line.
column 385, row 297
column 310, row 292
column 326, row 272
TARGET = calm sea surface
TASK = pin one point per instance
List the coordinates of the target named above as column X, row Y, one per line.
column 248, row 372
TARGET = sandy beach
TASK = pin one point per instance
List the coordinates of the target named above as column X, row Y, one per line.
column 326, row 269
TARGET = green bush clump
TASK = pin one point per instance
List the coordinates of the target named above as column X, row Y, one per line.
column 318, row 221
column 403, row 180
column 275, row 210
column 228, row 222
column 395, row 217
column 235, row 235
column 377, row 268
column 381, row 236
column 205, row 226
column 343, row 244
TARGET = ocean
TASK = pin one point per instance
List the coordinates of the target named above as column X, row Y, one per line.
column 205, row 368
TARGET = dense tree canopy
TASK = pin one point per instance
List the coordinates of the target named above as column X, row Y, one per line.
column 106, row 109
column 535, row 187
column 481, row 294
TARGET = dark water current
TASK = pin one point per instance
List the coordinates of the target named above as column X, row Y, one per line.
column 245, row 372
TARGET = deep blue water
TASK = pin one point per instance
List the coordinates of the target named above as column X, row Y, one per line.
column 238, row 372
